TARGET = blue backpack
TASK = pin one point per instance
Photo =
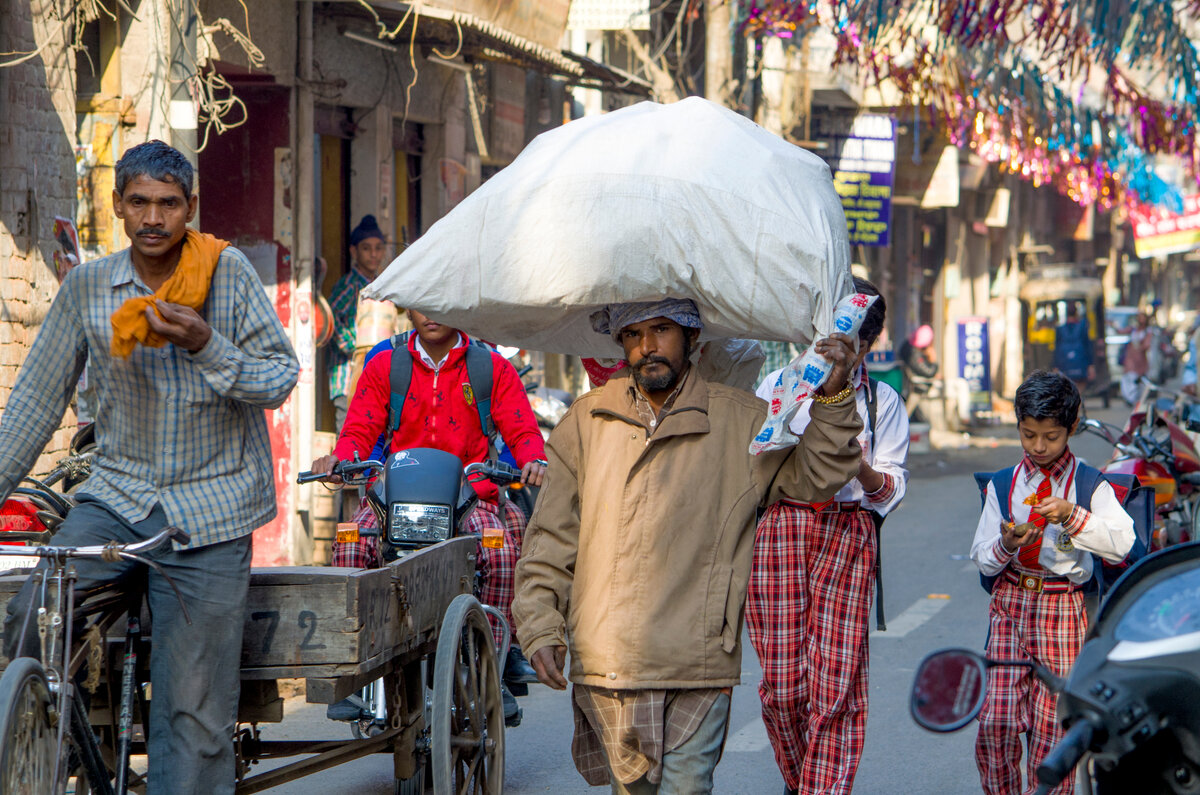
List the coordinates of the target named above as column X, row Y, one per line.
column 1136, row 499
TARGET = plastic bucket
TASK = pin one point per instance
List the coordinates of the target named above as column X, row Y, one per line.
column 918, row 437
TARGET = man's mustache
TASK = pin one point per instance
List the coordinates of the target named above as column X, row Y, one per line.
column 151, row 232
column 651, row 359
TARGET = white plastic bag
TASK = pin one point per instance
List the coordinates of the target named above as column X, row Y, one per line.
column 803, row 376
column 688, row 200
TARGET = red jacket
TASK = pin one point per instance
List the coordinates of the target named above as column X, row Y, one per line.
column 436, row 413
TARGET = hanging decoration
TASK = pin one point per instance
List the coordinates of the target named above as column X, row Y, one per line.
column 992, row 73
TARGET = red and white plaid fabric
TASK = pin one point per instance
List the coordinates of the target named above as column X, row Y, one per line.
column 807, row 612
column 1047, row 627
column 496, row 567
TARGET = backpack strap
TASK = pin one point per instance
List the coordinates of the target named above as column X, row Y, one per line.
column 401, row 379
column 1087, row 478
column 1001, row 481
column 876, row 517
column 479, row 376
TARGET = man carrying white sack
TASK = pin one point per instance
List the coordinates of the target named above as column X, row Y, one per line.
column 638, row 553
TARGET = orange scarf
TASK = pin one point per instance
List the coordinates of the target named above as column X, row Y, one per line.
column 188, row 286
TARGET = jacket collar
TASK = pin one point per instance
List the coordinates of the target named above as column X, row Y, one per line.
column 688, row 415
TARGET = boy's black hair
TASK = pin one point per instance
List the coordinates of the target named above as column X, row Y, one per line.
column 1048, row 395
column 872, row 325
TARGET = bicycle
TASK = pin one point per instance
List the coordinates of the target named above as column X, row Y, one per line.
column 46, row 737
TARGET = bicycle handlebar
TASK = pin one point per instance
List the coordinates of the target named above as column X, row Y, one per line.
column 101, row 550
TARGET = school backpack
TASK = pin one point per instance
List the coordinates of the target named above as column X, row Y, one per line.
column 1136, row 499
column 479, row 381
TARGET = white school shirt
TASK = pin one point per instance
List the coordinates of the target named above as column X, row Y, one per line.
column 887, row 452
column 1107, row 530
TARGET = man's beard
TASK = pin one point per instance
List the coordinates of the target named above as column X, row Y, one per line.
column 655, row 383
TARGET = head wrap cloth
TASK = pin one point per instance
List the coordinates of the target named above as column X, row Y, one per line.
column 614, row 317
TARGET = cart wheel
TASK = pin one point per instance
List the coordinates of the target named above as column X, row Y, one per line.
column 28, row 740
column 467, row 729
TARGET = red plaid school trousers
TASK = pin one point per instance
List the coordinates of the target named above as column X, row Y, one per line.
column 807, row 612
column 496, row 567
column 1049, row 628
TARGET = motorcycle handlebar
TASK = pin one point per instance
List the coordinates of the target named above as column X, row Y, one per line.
column 1062, row 759
column 352, row 472
column 497, row 472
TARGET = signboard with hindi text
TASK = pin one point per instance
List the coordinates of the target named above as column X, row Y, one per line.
column 861, row 152
column 1157, row 231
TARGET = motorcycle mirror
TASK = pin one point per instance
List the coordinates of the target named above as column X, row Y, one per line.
column 948, row 690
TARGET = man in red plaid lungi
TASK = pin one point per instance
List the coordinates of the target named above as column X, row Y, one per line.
column 810, row 594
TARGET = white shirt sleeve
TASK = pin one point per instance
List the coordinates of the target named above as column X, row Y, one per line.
column 987, row 550
column 888, row 451
column 1108, row 529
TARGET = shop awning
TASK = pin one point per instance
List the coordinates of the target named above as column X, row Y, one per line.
column 474, row 38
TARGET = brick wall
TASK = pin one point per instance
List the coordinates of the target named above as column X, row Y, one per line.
column 37, row 181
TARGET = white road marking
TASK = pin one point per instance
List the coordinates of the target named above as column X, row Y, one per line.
column 916, row 615
column 751, row 738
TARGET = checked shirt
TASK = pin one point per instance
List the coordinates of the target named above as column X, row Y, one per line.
column 186, row 431
column 343, row 302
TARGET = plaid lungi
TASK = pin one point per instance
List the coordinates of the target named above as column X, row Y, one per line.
column 624, row 733
column 807, row 612
column 1049, row 628
column 496, row 567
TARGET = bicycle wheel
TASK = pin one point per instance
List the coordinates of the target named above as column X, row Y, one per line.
column 28, row 741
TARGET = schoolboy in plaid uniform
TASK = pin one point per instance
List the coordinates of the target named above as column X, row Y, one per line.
column 810, row 594
column 1044, row 559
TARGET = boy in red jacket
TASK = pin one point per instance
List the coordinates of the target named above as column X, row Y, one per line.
column 437, row 414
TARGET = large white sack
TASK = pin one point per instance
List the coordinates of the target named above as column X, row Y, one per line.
column 688, row 200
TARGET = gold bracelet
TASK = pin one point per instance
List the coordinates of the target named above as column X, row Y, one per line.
column 845, row 393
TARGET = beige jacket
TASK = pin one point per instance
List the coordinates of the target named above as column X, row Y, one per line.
column 639, row 549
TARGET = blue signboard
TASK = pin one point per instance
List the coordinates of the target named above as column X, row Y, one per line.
column 862, row 155
column 974, row 361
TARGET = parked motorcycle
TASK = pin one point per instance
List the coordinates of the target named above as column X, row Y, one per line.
column 1132, row 699
column 1156, row 449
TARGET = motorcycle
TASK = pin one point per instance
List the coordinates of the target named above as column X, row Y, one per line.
column 1160, row 453
column 1132, row 699
column 419, row 497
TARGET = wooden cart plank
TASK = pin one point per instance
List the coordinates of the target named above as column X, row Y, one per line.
column 323, row 622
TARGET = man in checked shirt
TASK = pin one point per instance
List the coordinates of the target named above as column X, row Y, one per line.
column 186, row 352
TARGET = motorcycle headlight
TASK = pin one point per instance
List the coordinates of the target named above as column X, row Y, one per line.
column 412, row 523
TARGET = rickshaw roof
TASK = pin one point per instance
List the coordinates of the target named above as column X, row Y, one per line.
column 1061, row 288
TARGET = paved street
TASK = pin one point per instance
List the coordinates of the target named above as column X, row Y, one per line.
column 933, row 600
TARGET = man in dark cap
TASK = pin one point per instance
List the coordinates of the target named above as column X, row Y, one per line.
column 367, row 251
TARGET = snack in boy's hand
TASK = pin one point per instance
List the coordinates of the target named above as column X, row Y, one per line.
column 803, row 376
column 1031, row 500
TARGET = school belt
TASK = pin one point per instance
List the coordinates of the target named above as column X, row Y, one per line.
column 826, row 507
column 1032, row 582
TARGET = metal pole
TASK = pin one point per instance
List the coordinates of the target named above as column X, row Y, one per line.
column 304, row 249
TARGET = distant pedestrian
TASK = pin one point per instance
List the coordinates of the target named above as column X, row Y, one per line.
column 367, row 249
column 811, row 587
column 1136, row 359
column 1040, row 563
column 1073, row 356
column 919, row 358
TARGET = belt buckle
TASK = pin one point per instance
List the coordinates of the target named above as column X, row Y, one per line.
column 1030, row 582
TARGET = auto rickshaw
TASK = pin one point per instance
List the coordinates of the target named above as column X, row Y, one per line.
column 1047, row 292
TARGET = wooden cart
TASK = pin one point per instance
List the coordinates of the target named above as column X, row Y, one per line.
column 415, row 625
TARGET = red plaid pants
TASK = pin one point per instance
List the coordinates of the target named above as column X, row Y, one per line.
column 1049, row 628
column 496, row 567
column 807, row 612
